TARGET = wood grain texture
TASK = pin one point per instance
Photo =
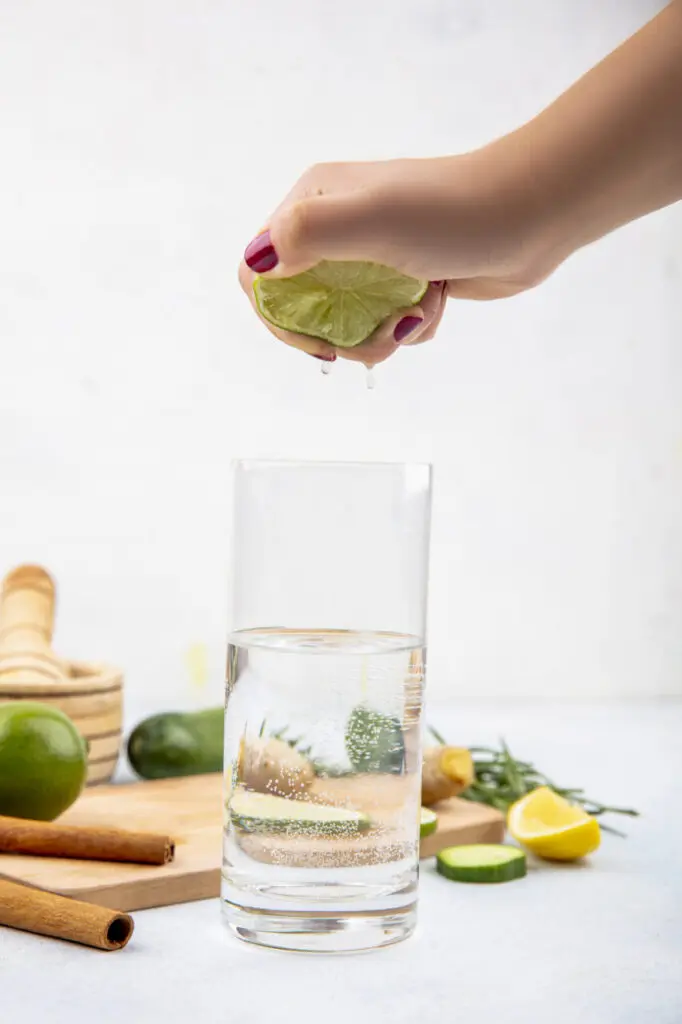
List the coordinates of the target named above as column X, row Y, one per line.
column 190, row 811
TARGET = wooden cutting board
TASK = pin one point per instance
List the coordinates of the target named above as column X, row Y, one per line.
column 190, row 810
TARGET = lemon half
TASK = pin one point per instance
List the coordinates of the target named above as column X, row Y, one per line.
column 552, row 827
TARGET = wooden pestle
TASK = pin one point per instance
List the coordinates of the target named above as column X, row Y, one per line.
column 27, row 606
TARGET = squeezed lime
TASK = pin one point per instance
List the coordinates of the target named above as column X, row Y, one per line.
column 341, row 302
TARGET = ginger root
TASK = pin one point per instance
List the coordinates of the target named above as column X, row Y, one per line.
column 272, row 766
column 446, row 771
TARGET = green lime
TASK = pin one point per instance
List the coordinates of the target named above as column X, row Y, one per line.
column 43, row 761
column 339, row 302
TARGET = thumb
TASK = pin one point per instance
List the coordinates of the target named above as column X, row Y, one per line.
column 336, row 227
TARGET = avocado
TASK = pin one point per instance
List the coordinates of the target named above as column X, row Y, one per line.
column 178, row 743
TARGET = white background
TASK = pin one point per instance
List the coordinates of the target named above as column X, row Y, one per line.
column 142, row 144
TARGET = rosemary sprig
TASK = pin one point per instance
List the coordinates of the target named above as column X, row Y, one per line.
column 438, row 738
column 500, row 779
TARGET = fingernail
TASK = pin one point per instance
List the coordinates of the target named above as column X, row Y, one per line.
column 260, row 255
column 438, row 284
column 406, row 326
column 325, row 359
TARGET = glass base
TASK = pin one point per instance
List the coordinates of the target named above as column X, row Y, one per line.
column 321, row 932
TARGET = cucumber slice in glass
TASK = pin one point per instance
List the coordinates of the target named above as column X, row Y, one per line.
column 374, row 741
column 260, row 812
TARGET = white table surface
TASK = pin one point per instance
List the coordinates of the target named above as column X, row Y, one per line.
column 599, row 943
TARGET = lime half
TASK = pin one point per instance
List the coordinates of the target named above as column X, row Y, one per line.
column 340, row 302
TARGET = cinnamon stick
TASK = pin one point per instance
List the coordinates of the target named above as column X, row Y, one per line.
column 46, row 913
column 47, row 839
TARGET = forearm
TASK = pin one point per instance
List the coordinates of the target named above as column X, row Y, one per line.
column 609, row 150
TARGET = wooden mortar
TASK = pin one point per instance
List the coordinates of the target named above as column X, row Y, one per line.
column 89, row 693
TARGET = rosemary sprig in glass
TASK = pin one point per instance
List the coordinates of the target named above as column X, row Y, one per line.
column 322, row 768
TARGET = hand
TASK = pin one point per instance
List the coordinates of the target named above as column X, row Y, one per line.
column 453, row 221
column 494, row 222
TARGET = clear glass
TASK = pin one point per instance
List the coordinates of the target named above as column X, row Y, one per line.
column 325, row 677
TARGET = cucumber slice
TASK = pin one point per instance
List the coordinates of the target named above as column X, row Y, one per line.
column 484, row 862
column 374, row 741
column 261, row 812
column 428, row 822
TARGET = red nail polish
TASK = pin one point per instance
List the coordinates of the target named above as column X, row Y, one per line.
column 325, row 359
column 406, row 326
column 260, row 255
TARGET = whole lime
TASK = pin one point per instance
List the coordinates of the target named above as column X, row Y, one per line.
column 43, row 761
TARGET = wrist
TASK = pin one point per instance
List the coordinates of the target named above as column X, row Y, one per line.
column 539, row 218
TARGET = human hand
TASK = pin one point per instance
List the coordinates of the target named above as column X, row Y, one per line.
column 449, row 220
column 489, row 224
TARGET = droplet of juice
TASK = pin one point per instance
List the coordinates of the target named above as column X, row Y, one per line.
column 326, row 368
column 370, row 379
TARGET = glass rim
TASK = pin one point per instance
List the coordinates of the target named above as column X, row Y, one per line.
column 320, row 463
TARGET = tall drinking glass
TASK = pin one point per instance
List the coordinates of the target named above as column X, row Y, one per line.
column 325, row 674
